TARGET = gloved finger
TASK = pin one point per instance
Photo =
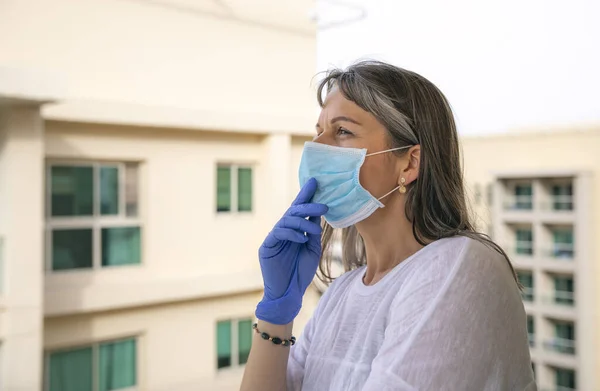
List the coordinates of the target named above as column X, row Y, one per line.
column 299, row 224
column 271, row 241
column 306, row 210
column 314, row 240
column 288, row 234
column 315, row 220
column 307, row 192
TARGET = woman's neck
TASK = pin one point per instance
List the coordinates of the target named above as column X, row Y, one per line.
column 388, row 240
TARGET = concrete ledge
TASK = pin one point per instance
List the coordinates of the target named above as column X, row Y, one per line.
column 539, row 174
column 68, row 294
column 123, row 113
column 30, row 87
column 18, row 87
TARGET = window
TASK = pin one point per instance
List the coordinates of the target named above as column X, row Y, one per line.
column 102, row 367
column 562, row 197
column 563, row 243
column 523, row 196
column 564, row 341
column 92, row 215
column 531, row 330
column 234, row 188
column 234, row 339
column 526, row 279
column 565, row 379
column 563, row 290
column 524, row 244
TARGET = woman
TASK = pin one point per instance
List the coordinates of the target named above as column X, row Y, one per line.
column 427, row 303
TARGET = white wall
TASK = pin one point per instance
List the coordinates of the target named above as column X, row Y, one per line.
column 502, row 64
column 297, row 148
column 128, row 51
column 21, row 225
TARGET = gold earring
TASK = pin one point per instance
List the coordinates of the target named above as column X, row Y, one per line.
column 402, row 188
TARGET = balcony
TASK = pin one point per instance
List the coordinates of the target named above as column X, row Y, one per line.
column 560, row 345
column 561, row 252
column 558, row 209
column 524, row 248
column 519, row 260
column 558, row 203
column 518, row 203
column 560, row 267
column 560, row 258
column 559, row 305
column 563, row 298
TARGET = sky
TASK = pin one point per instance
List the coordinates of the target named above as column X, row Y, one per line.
column 505, row 66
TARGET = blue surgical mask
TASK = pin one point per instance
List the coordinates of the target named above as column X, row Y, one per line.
column 337, row 170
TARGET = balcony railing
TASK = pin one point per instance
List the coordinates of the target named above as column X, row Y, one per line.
column 560, row 345
column 560, row 251
column 524, row 247
column 558, row 203
column 564, row 298
column 522, row 202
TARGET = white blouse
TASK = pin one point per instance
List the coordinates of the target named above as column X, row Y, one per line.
column 450, row 317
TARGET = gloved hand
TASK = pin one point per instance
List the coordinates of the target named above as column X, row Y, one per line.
column 289, row 258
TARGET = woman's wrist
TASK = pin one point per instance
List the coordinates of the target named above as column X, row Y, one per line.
column 274, row 339
column 276, row 330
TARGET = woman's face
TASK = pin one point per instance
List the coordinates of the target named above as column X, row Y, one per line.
column 344, row 124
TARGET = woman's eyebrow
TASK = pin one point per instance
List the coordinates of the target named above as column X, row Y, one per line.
column 343, row 118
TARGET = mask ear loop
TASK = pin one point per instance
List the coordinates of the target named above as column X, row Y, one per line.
column 387, row 194
column 389, row 150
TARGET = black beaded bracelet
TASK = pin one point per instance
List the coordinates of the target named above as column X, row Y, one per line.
column 275, row 340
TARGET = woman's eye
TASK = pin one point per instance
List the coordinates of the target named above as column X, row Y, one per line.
column 344, row 132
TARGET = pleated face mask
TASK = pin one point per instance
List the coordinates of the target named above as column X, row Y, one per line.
column 337, row 170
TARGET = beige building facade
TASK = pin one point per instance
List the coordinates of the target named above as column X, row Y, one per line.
column 534, row 193
column 146, row 149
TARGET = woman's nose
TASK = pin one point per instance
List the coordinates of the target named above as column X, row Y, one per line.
column 324, row 138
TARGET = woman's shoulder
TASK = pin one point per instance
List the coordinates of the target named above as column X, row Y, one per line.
column 460, row 258
column 459, row 274
column 481, row 256
column 465, row 252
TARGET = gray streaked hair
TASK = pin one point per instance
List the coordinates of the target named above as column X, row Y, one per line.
column 414, row 112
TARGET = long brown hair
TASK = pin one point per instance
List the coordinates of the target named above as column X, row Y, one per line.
column 415, row 112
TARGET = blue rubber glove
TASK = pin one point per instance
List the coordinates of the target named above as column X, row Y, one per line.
column 289, row 258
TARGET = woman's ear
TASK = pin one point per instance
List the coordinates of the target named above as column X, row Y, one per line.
column 411, row 164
